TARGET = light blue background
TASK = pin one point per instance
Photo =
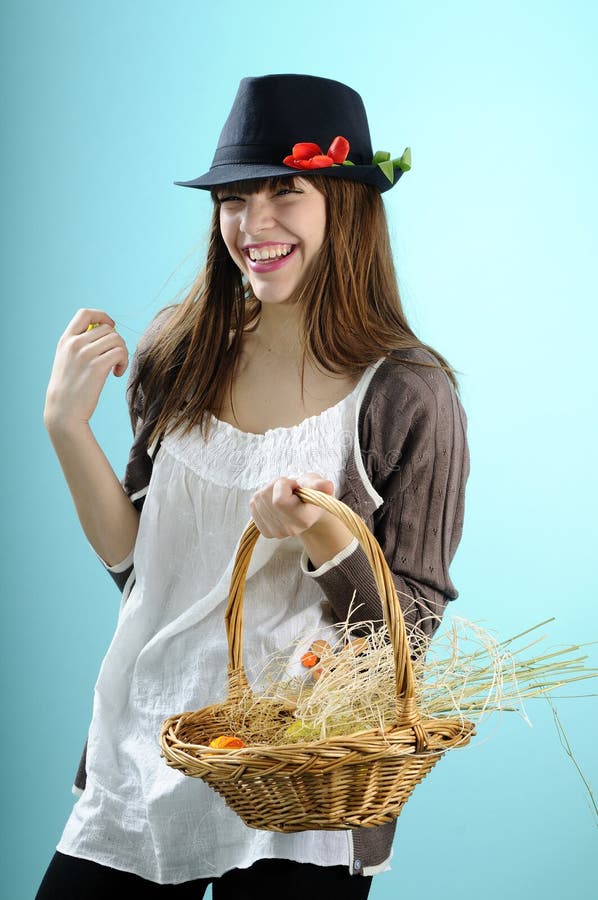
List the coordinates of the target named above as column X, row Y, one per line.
column 105, row 105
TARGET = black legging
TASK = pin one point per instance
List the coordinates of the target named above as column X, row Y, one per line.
column 70, row 878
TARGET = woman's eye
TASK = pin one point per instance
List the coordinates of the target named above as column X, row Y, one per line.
column 227, row 199
column 283, row 191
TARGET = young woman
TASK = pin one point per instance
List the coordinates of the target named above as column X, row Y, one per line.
column 290, row 362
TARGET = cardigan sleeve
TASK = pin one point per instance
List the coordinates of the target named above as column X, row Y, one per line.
column 415, row 454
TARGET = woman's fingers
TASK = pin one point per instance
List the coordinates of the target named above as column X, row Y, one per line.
column 279, row 513
column 282, row 494
column 104, row 348
column 83, row 318
column 95, row 331
column 121, row 366
column 316, row 483
column 112, row 358
column 264, row 512
column 92, row 344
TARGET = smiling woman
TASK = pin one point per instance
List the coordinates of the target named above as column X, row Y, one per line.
column 290, row 363
column 327, row 322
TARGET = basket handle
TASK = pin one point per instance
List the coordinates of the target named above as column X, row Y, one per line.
column 406, row 709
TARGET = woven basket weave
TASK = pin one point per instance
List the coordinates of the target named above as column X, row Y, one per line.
column 346, row 781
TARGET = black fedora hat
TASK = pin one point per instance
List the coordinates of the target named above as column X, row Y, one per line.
column 298, row 124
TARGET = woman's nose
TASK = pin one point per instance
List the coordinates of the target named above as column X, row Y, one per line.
column 257, row 215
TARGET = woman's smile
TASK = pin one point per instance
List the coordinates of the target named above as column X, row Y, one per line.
column 266, row 257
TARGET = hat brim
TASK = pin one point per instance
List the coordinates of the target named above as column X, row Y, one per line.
column 227, row 174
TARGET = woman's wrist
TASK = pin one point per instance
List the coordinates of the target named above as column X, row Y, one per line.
column 323, row 540
column 60, row 427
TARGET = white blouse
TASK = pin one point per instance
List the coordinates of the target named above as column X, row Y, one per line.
column 169, row 651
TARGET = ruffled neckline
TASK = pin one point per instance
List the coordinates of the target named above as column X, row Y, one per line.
column 244, row 460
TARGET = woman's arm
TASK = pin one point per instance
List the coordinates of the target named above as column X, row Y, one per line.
column 84, row 358
column 417, row 459
column 107, row 516
column 326, row 539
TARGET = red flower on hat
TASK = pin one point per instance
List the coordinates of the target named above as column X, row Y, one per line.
column 310, row 156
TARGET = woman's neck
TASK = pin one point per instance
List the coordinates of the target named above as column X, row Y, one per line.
column 279, row 331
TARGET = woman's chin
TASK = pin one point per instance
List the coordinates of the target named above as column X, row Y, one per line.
column 271, row 295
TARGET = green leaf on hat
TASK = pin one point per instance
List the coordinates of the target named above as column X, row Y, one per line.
column 404, row 163
column 380, row 156
column 388, row 169
column 348, row 162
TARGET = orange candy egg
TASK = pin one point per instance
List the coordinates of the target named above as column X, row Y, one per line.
column 309, row 660
column 227, row 742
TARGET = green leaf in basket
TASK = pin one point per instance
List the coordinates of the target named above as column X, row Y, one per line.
column 302, row 731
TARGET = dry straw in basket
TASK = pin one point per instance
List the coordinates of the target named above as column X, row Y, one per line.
column 343, row 781
column 466, row 671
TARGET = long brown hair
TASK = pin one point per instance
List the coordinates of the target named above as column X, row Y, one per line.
column 352, row 311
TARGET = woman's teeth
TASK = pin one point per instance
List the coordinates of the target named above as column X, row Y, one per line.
column 275, row 251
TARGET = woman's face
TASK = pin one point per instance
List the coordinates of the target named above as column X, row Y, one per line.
column 274, row 235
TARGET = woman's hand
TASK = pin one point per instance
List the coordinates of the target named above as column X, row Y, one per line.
column 279, row 513
column 82, row 364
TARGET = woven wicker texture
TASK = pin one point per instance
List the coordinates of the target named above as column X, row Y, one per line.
column 346, row 781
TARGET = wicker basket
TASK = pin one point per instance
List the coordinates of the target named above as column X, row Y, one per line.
column 348, row 781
